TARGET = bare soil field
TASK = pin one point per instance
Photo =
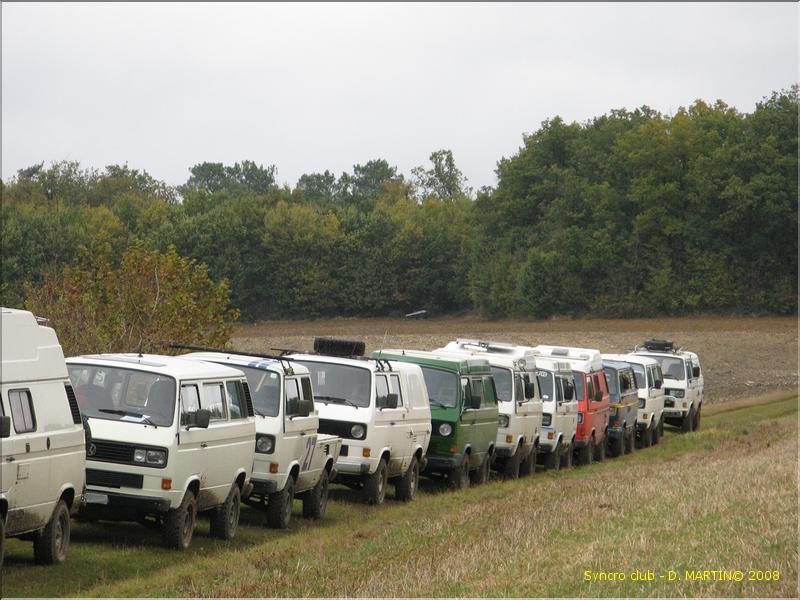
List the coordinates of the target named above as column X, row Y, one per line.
column 741, row 357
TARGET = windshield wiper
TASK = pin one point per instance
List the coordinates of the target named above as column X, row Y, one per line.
column 129, row 413
column 258, row 412
column 670, row 377
column 336, row 400
column 437, row 403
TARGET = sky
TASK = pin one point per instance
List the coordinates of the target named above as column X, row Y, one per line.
column 309, row 87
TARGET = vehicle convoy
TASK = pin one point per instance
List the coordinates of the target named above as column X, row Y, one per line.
column 379, row 408
column 683, row 382
column 591, row 392
column 624, row 405
column 43, row 447
column 291, row 458
column 464, row 413
column 519, row 402
column 171, row 437
column 649, row 384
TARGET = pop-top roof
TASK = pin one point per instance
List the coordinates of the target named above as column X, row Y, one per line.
column 585, row 360
column 30, row 351
column 513, row 359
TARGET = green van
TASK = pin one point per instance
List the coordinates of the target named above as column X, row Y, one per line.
column 464, row 414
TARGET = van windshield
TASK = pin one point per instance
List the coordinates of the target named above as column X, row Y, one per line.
column 672, row 368
column 125, row 395
column 545, row 379
column 265, row 389
column 339, row 384
column 442, row 387
column 503, row 382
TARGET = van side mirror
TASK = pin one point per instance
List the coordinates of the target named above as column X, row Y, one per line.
column 695, row 371
column 658, row 383
column 388, row 401
column 299, row 407
column 530, row 390
column 569, row 391
column 197, row 419
column 5, row 427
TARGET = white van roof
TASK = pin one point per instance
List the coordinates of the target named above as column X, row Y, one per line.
column 170, row 366
column 372, row 364
column 585, row 360
column 30, row 352
column 553, row 364
column 637, row 359
column 523, row 361
column 490, row 347
column 244, row 360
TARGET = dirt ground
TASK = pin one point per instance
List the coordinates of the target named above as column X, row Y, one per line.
column 740, row 356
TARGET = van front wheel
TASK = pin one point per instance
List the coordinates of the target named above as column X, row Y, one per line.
column 459, row 476
column 225, row 519
column 315, row 502
column 406, row 487
column 279, row 506
column 179, row 524
column 528, row 465
column 375, row 484
column 51, row 545
column 553, row 459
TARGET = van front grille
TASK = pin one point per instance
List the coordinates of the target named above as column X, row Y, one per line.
column 110, row 451
column 113, row 479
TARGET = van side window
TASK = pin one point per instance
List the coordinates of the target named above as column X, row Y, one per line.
column 381, row 389
column 236, row 399
column 305, row 383
column 589, row 388
column 579, row 386
column 190, row 399
column 213, row 400
column 519, row 389
column 688, row 370
column 597, row 385
column 560, row 390
column 22, row 414
column 292, row 394
column 477, row 389
column 394, row 385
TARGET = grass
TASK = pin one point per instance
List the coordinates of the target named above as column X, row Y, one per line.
column 723, row 498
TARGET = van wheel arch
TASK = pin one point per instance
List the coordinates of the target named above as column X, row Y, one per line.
column 240, row 480
column 68, row 496
column 294, row 472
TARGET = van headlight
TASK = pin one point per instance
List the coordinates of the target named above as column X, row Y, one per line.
column 445, row 429
column 676, row 393
column 156, row 457
column 139, row 455
column 503, row 420
column 547, row 418
column 358, row 431
column 641, row 402
column 265, row 444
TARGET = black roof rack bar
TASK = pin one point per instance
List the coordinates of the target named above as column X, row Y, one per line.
column 284, row 361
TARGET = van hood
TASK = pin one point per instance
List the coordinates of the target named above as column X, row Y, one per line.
column 131, row 433
column 343, row 412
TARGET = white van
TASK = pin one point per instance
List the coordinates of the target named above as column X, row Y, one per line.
column 684, row 384
column 555, row 380
column 380, row 408
column 170, row 438
column 519, row 403
column 42, row 443
column 291, row 459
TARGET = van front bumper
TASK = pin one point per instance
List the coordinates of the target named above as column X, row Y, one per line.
column 97, row 503
column 443, row 463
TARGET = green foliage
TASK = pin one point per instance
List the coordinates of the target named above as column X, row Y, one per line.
column 143, row 303
column 632, row 213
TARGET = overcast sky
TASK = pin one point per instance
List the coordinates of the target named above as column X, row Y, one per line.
column 313, row 87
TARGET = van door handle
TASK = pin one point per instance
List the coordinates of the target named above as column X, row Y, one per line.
column 203, row 445
column 48, row 443
column 10, row 459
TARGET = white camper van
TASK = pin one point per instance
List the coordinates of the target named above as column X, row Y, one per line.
column 42, row 443
column 170, row 438
column 291, row 458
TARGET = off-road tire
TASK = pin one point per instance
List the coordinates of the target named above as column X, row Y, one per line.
column 552, row 460
column 630, row 440
column 481, row 474
column 567, row 456
column 688, row 419
column 511, row 468
column 696, row 421
column 51, row 545
column 406, row 487
column 528, row 465
column 279, row 506
column 225, row 519
column 661, row 426
column 375, row 485
column 178, row 527
column 656, row 435
column 584, row 454
column 458, row 477
column 600, row 450
column 645, row 438
column 2, row 539
column 315, row 500
column 618, row 445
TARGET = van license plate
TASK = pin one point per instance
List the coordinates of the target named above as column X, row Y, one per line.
column 95, row 498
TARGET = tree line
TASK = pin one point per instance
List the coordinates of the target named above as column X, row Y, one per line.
column 633, row 213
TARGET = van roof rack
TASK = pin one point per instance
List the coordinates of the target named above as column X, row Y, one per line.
column 655, row 345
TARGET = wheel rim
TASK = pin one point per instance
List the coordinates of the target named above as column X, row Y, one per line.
column 414, row 479
column 188, row 524
column 233, row 514
column 323, row 496
column 61, row 526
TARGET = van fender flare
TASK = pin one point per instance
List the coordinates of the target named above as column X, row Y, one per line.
column 190, row 482
column 68, row 488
